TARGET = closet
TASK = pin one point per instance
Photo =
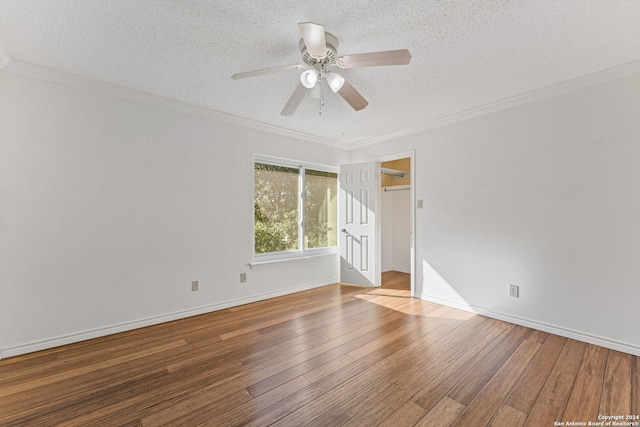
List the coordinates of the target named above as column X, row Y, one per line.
column 395, row 215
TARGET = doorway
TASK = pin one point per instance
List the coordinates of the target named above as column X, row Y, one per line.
column 360, row 222
column 396, row 217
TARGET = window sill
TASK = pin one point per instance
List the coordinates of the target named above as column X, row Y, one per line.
column 257, row 264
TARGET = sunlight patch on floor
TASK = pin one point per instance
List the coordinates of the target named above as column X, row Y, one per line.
column 403, row 302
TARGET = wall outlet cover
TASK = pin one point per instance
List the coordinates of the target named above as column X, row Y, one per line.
column 514, row 291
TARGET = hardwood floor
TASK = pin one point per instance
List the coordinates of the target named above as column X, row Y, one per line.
column 337, row 355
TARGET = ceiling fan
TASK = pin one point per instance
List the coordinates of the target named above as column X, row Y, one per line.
column 319, row 54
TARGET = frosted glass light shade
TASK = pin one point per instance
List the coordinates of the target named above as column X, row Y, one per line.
column 309, row 78
column 335, row 81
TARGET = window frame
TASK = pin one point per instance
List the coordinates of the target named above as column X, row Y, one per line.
column 301, row 252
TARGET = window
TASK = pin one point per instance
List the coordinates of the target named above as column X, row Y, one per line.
column 295, row 208
column 320, row 209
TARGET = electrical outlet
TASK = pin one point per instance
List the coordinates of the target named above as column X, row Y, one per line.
column 420, row 204
column 195, row 285
column 514, row 291
column 243, row 277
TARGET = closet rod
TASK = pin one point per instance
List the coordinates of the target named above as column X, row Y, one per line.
column 395, row 189
column 393, row 172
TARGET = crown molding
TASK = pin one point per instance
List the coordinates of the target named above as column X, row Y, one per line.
column 84, row 83
column 96, row 86
column 600, row 77
column 4, row 56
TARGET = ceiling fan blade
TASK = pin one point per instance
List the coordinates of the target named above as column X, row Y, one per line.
column 352, row 96
column 294, row 101
column 314, row 39
column 372, row 59
column 266, row 71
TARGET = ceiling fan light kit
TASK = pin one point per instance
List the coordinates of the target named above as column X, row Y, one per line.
column 319, row 51
column 309, row 78
column 335, row 81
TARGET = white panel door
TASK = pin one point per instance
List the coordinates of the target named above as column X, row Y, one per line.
column 358, row 241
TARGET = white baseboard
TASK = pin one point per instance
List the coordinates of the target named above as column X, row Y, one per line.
column 127, row 326
column 545, row 327
column 141, row 323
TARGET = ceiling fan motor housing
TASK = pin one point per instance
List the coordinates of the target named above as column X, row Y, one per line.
column 330, row 57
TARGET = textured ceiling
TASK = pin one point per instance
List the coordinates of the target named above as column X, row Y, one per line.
column 466, row 54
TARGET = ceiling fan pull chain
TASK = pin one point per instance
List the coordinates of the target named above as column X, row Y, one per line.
column 321, row 99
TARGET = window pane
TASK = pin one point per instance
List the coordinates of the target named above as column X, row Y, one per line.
column 275, row 208
column 320, row 209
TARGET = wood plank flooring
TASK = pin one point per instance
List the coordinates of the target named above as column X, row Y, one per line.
column 332, row 356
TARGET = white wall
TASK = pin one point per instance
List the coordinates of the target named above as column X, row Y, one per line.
column 110, row 208
column 544, row 195
column 396, row 243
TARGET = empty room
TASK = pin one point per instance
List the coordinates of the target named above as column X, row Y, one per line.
column 293, row 213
